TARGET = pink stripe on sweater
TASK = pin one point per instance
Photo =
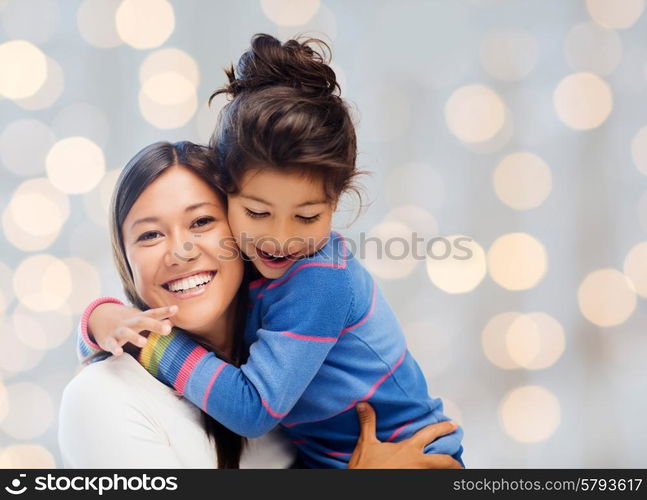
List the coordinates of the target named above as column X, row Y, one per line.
column 309, row 337
column 257, row 283
column 365, row 318
column 303, row 266
column 271, row 411
column 338, row 454
column 280, row 281
column 398, row 431
column 210, row 385
column 374, row 388
column 384, row 377
column 187, row 367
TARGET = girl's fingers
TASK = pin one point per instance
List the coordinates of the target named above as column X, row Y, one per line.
column 428, row 434
column 160, row 313
column 366, row 415
column 166, row 326
column 113, row 347
column 440, row 462
column 139, row 341
column 124, row 335
column 143, row 323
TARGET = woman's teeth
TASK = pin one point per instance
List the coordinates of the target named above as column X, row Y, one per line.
column 189, row 283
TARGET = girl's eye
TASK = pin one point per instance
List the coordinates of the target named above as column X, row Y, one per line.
column 202, row 221
column 149, row 236
column 309, row 220
column 256, row 215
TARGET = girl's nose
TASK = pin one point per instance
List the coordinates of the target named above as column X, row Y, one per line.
column 293, row 244
column 282, row 232
column 287, row 240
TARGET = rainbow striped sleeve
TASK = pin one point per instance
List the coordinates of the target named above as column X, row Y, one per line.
column 171, row 358
column 84, row 348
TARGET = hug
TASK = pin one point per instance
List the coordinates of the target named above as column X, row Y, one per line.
column 256, row 357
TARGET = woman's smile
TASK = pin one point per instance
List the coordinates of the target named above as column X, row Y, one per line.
column 189, row 285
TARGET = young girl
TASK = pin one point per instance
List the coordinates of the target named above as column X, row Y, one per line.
column 322, row 337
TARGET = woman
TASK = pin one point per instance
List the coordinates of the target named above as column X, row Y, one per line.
column 169, row 221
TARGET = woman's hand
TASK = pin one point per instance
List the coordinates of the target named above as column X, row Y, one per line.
column 114, row 325
column 407, row 454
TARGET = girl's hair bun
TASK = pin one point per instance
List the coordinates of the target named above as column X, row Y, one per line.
column 285, row 112
column 299, row 64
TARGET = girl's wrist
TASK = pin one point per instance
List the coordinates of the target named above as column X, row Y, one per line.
column 85, row 319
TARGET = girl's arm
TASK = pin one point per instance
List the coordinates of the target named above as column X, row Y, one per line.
column 107, row 325
column 299, row 329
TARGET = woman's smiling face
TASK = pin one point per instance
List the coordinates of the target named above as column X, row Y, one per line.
column 181, row 251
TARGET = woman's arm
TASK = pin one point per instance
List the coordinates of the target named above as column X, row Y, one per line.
column 370, row 453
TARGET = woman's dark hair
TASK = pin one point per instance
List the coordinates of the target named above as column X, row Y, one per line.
column 140, row 172
column 286, row 113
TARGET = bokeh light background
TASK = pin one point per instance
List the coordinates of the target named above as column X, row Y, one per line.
column 521, row 124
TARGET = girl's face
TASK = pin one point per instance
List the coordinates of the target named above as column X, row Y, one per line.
column 181, row 252
column 278, row 218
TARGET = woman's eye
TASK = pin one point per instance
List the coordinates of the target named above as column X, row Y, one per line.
column 202, row 221
column 256, row 215
column 149, row 236
column 309, row 220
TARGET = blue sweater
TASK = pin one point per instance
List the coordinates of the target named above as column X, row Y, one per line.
column 322, row 338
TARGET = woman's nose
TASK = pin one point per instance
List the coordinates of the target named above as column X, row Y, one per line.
column 183, row 250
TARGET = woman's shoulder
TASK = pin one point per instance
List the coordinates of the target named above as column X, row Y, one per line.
column 115, row 381
column 113, row 413
column 118, row 407
column 114, row 372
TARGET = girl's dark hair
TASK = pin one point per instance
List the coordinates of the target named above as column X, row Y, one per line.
column 145, row 167
column 286, row 113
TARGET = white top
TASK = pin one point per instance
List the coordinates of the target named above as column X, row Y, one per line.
column 114, row 414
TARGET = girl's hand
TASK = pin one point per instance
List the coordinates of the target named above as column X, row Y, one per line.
column 114, row 325
column 407, row 454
